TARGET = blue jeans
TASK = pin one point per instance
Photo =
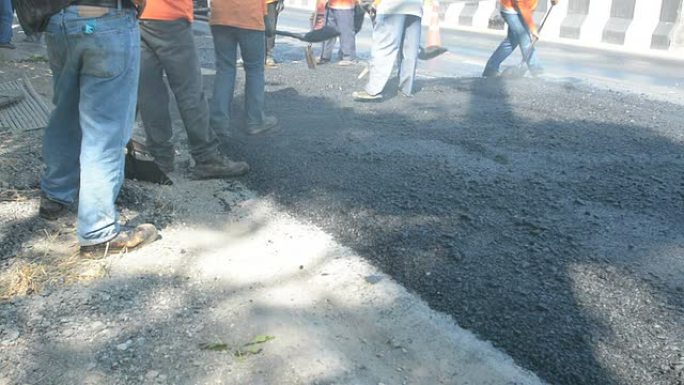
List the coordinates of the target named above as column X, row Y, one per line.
column 252, row 48
column 518, row 35
column 6, row 14
column 394, row 33
column 95, row 64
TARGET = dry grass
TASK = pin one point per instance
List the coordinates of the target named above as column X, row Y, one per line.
column 49, row 263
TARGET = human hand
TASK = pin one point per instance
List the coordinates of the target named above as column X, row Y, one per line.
column 535, row 35
column 369, row 7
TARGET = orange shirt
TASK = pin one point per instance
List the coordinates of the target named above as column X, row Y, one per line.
column 341, row 4
column 526, row 9
column 168, row 10
column 245, row 14
column 334, row 4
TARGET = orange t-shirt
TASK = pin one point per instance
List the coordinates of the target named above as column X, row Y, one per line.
column 168, row 10
column 334, row 4
column 341, row 4
column 246, row 14
column 526, row 8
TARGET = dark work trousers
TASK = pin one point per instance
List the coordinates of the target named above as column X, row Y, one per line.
column 168, row 47
column 272, row 23
column 343, row 21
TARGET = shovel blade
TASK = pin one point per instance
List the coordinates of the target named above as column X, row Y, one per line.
column 140, row 166
column 514, row 71
column 310, row 60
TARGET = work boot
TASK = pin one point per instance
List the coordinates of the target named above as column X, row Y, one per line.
column 270, row 62
column 127, row 239
column 51, row 210
column 270, row 123
column 491, row 74
column 346, row 62
column 7, row 45
column 165, row 164
column 363, row 96
column 219, row 167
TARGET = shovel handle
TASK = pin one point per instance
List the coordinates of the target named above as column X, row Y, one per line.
column 526, row 57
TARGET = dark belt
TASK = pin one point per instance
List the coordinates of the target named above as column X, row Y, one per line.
column 104, row 3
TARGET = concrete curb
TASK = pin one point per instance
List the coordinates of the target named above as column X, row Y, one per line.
column 634, row 25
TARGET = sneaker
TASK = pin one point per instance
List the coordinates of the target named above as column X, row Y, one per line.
column 51, row 210
column 7, row 45
column 363, row 96
column 270, row 123
column 219, row 167
column 127, row 239
column 270, row 62
column 346, row 62
column 321, row 60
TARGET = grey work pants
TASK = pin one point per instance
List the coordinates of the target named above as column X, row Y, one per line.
column 168, row 47
column 272, row 23
column 391, row 34
column 341, row 20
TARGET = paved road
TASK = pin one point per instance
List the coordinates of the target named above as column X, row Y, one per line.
column 659, row 77
column 543, row 216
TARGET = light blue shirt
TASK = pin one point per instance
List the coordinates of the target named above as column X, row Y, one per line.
column 401, row 7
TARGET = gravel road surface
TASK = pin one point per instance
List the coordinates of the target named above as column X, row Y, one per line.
column 543, row 216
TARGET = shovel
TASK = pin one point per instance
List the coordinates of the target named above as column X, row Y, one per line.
column 140, row 165
column 430, row 52
column 324, row 33
column 314, row 36
column 521, row 69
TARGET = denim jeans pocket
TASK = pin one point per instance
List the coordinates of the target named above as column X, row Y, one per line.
column 105, row 54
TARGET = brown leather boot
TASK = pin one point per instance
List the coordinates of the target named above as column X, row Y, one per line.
column 127, row 239
column 219, row 167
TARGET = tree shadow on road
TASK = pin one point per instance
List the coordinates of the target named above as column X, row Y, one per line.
column 517, row 206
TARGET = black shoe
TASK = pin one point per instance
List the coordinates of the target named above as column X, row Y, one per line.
column 127, row 239
column 270, row 123
column 51, row 210
column 165, row 165
column 219, row 167
column 7, row 45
